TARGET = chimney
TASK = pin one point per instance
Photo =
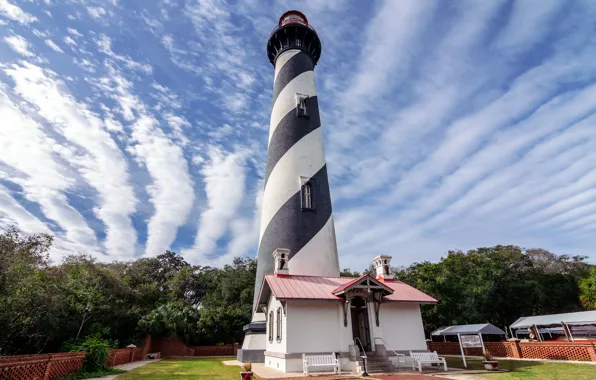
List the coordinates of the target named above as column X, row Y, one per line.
column 382, row 264
column 280, row 259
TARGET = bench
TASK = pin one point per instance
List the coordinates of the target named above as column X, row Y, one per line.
column 420, row 358
column 330, row 360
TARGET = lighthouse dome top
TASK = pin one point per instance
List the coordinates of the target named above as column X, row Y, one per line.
column 293, row 32
column 293, row 17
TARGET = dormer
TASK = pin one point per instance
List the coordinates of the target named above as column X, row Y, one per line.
column 382, row 264
column 280, row 259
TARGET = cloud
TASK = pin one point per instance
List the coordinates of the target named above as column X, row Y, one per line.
column 224, row 179
column 14, row 214
column 19, row 45
column 96, row 12
column 171, row 190
column 98, row 158
column 13, row 12
column 105, row 46
column 445, row 126
column 74, row 32
column 70, row 41
column 43, row 184
column 53, row 46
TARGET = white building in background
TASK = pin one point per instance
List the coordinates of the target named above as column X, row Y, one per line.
column 320, row 314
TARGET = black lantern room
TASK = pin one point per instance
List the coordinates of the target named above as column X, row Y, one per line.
column 293, row 32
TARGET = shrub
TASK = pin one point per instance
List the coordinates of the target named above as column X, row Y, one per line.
column 97, row 349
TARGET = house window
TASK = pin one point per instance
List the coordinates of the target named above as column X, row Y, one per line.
column 279, row 324
column 307, row 192
column 271, row 326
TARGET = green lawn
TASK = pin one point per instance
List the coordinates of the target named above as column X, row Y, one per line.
column 182, row 369
column 521, row 369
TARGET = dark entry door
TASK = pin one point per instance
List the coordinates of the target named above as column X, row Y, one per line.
column 361, row 328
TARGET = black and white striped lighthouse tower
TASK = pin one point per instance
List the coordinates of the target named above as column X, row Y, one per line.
column 296, row 211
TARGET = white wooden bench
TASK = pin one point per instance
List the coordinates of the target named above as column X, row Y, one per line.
column 320, row 361
column 420, row 358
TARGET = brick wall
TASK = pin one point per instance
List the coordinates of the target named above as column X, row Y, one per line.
column 42, row 367
column 577, row 351
column 169, row 347
column 120, row 356
column 225, row 350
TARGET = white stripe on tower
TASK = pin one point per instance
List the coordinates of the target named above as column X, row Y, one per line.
column 286, row 101
column 305, row 157
column 309, row 261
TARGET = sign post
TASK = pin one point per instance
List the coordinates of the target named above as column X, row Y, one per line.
column 469, row 341
column 462, row 350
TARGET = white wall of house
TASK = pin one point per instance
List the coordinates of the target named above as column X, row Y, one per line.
column 400, row 325
column 316, row 326
column 278, row 364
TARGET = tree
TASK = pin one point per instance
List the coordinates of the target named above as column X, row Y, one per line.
column 227, row 305
column 348, row 273
column 587, row 287
column 496, row 284
column 30, row 304
column 170, row 320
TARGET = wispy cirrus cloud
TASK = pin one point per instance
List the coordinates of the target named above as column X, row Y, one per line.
column 446, row 126
column 19, row 45
column 13, row 12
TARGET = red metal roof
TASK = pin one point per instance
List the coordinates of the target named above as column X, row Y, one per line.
column 322, row 288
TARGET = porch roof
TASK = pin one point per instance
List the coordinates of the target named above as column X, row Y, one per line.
column 350, row 284
column 322, row 288
column 579, row 318
column 479, row 328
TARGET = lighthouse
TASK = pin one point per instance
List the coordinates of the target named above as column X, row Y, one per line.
column 296, row 216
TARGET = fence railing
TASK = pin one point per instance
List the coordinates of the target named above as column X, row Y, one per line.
column 42, row 367
column 576, row 351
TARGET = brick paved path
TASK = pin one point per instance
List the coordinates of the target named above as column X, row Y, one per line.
column 405, row 376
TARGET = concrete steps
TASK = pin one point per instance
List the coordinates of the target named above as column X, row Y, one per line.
column 376, row 364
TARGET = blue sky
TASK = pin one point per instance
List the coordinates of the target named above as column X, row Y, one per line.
column 132, row 127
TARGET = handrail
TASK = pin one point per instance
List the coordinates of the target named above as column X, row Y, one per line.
column 361, row 346
column 364, row 357
column 396, row 354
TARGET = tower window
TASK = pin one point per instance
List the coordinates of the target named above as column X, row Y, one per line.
column 307, row 192
column 301, row 101
column 308, row 196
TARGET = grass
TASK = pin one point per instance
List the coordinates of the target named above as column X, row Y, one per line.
column 182, row 369
column 522, row 369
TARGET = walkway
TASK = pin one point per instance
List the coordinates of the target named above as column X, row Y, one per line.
column 397, row 376
column 126, row 367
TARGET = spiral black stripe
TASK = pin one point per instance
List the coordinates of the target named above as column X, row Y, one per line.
column 289, row 131
column 291, row 227
column 298, row 64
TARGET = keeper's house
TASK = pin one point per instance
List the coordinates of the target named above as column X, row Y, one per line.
column 342, row 315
